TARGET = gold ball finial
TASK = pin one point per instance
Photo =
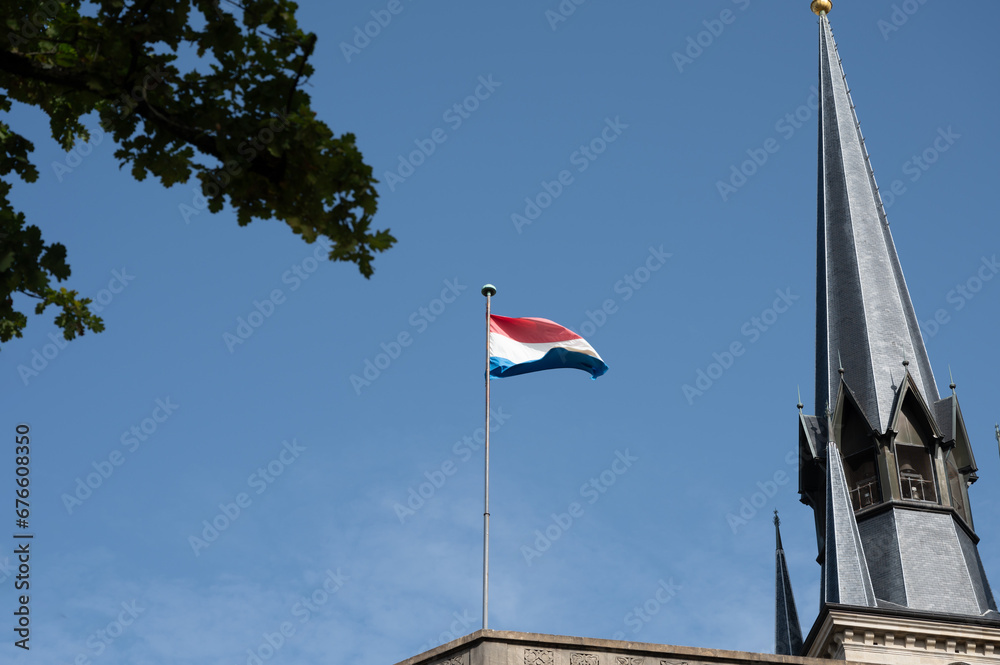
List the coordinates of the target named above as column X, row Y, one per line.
column 821, row 7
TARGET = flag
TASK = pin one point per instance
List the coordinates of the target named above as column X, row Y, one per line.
column 519, row 346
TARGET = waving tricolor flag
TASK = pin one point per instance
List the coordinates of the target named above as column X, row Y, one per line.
column 519, row 346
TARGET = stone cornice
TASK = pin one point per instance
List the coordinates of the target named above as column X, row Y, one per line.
column 486, row 647
column 887, row 635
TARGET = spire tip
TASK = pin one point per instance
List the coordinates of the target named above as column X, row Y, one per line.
column 821, row 7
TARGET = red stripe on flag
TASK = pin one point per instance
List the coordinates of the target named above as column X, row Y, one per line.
column 530, row 330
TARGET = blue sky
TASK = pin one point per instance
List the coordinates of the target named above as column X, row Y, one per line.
column 319, row 465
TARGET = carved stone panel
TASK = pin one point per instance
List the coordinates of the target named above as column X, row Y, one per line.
column 628, row 660
column 583, row 659
column 538, row 657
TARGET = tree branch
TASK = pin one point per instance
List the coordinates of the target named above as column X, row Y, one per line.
column 265, row 165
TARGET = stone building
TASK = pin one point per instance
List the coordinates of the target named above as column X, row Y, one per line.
column 885, row 463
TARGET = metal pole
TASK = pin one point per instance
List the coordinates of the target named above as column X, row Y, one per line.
column 488, row 291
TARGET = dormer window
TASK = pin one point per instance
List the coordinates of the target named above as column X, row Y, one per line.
column 860, row 458
column 913, row 459
column 916, row 479
column 862, row 479
column 957, row 487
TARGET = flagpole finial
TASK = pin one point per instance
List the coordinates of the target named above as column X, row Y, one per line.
column 489, row 290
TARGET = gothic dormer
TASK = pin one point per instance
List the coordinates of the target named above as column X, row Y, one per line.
column 859, row 447
column 915, row 450
column 959, row 462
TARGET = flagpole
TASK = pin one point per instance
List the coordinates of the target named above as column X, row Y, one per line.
column 488, row 291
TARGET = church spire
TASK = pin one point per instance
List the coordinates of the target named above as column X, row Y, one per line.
column 787, row 631
column 886, row 463
column 866, row 325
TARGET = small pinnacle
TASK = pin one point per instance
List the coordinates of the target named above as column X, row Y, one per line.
column 777, row 521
